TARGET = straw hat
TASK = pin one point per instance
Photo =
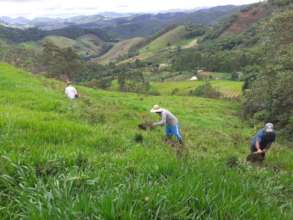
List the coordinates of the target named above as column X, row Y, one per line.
column 156, row 109
column 68, row 82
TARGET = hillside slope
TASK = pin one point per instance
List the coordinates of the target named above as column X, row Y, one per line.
column 120, row 49
column 146, row 25
column 246, row 18
column 15, row 35
column 87, row 160
column 165, row 43
column 86, row 46
column 167, row 39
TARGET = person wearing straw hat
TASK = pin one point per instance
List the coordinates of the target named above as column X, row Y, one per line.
column 168, row 120
column 263, row 140
column 70, row 91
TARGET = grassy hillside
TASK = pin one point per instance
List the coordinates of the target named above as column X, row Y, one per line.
column 119, row 50
column 83, row 159
column 167, row 42
column 62, row 42
column 170, row 38
column 85, row 46
column 227, row 88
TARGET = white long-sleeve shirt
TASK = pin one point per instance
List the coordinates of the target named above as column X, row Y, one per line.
column 71, row 92
column 167, row 119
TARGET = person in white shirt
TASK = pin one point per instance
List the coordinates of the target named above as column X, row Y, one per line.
column 168, row 120
column 71, row 92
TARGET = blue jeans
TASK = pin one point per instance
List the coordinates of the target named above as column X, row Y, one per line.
column 173, row 130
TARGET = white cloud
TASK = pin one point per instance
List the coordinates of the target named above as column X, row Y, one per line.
column 55, row 8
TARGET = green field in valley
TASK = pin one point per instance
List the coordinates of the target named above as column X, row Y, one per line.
column 87, row 160
column 226, row 87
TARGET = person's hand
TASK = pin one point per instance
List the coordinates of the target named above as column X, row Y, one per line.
column 259, row 151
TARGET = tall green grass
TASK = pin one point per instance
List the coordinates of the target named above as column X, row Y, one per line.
column 80, row 160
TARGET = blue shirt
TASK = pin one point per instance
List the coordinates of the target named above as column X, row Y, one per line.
column 264, row 139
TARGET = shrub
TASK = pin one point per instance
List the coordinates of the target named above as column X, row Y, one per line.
column 138, row 138
column 206, row 90
column 175, row 91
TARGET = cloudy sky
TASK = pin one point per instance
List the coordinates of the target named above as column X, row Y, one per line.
column 66, row 8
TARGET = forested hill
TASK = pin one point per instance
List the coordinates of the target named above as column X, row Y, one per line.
column 15, row 35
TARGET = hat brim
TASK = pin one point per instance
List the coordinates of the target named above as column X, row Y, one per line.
column 269, row 130
column 156, row 110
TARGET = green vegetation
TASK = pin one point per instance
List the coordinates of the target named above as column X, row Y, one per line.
column 259, row 52
column 87, row 46
column 183, row 88
column 207, row 91
column 87, row 160
column 120, row 50
column 167, row 39
column 55, row 61
column 33, row 34
column 269, row 96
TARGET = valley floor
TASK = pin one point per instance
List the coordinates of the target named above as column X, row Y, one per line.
column 82, row 160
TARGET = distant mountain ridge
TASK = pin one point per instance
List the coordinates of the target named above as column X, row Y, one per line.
column 15, row 35
column 146, row 25
column 142, row 24
column 114, row 36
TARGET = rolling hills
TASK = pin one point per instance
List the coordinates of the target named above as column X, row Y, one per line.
column 158, row 48
column 15, row 35
column 94, row 36
column 86, row 46
column 146, row 25
column 119, row 50
column 125, row 26
column 246, row 18
column 83, row 159
column 170, row 38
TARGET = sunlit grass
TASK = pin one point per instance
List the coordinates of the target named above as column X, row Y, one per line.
column 79, row 160
column 226, row 87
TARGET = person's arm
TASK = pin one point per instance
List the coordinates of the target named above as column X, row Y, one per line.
column 257, row 145
column 259, row 137
column 163, row 120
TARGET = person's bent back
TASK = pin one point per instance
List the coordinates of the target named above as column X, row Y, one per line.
column 263, row 140
column 168, row 120
column 71, row 92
